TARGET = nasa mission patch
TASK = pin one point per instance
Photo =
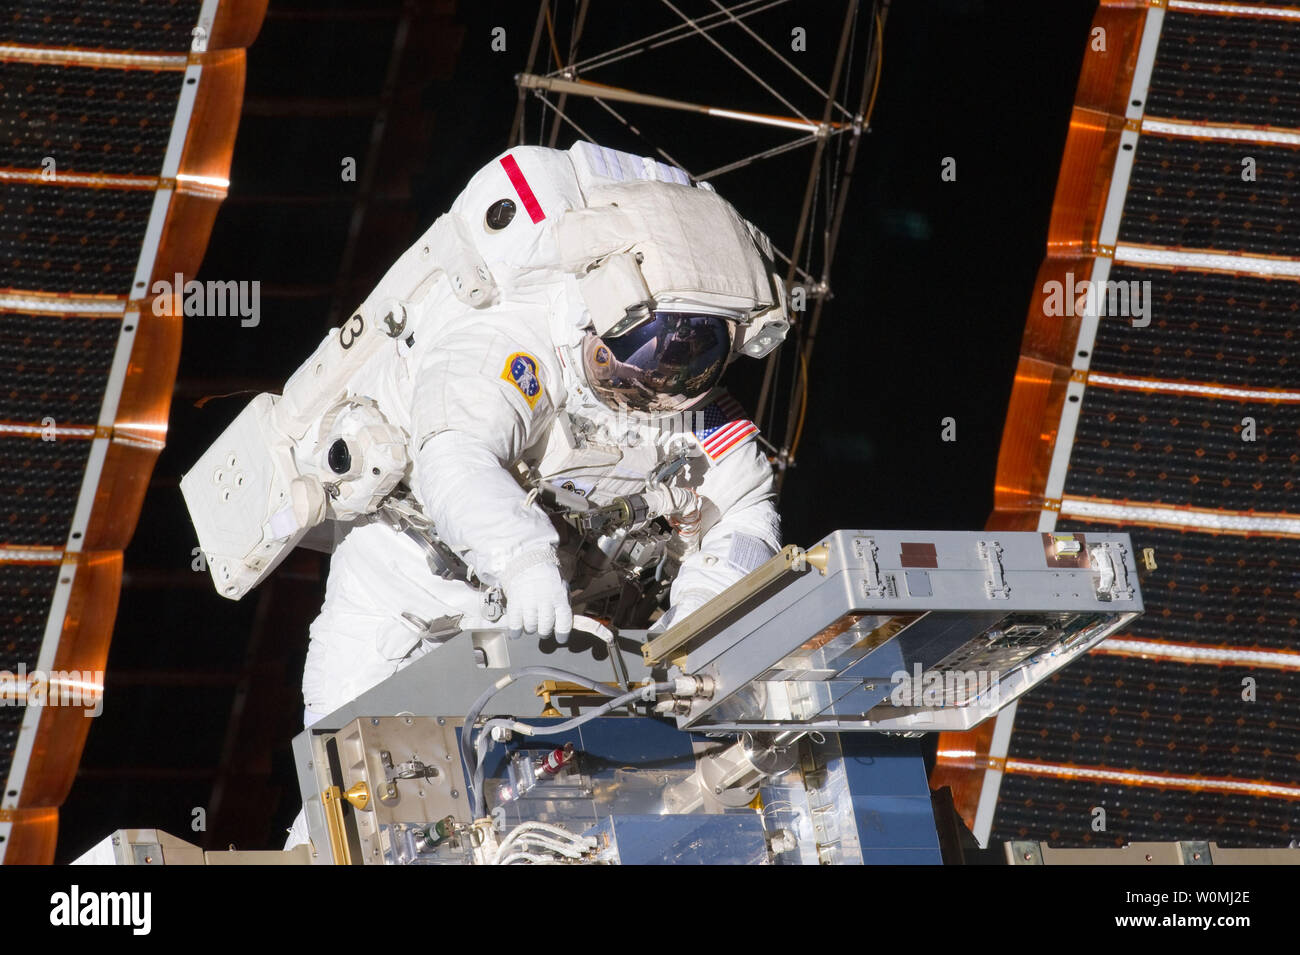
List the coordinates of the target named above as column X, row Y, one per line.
column 521, row 371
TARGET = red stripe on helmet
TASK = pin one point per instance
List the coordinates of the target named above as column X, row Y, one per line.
column 531, row 205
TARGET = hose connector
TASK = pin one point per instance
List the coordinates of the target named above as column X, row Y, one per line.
column 693, row 685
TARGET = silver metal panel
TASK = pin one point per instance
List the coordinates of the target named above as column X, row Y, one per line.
column 730, row 839
column 852, row 621
column 446, row 682
column 988, row 613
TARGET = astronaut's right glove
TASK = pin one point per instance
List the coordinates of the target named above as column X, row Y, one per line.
column 683, row 607
column 537, row 598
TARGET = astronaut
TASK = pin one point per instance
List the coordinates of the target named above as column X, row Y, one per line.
column 523, row 420
column 568, row 389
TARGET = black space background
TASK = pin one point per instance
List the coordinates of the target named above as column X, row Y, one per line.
column 932, row 281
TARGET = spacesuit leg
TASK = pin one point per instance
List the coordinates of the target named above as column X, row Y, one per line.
column 360, row 637
column 380, row 590
column 350, row 652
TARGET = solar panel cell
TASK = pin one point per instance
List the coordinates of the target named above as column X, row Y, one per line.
column 1209, row 328
column 1227, row 70
column 25, row 594
column 1190, row 193
column 1061, row 811
column 1164, row 717
column 39, row 482
column 87, row 120
column 55, row 366
column 1185, row 450
column 140, row 26
column 68, row 239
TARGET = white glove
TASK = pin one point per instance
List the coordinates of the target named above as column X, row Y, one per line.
column 690, row 602
column 537, row 602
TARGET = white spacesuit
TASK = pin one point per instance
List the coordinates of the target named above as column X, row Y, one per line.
column 523, row 420
column 519, row 402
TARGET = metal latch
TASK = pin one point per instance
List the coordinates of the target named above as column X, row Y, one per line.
column 864, row 548
column 995, row 584
column 411, row 769
column 494, row 605
column 1110, row 571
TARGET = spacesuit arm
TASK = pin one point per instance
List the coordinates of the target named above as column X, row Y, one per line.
column 741, row 528
column 472, row 419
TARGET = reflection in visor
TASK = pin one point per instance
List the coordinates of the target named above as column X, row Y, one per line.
column 661, row 366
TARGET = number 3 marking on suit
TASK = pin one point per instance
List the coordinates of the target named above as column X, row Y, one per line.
column 348, row 335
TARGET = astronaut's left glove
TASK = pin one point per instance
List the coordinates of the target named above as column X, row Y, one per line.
column 537, row 598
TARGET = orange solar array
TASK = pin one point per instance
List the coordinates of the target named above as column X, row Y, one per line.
column 91, row 367
column 1174, row 420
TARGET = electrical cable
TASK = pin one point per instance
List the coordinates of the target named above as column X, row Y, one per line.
column 477, row 775
column 640, row 692
column 547, row 827
column 480, row 765
column 529, row 843
column 467, row 750
column 550, row 29
column 554, row 673
column 533, row 835
column 529, row 858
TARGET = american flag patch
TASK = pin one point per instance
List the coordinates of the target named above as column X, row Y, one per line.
column 721, row 426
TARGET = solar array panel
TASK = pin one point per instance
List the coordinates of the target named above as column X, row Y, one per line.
column 141, row 25
column 1221, row 68
column 1190, row 193
column 55, row 365
column 1176, row 420
column 71, row 240
column 1239, row 330
column 117, row 121
column 91, row 119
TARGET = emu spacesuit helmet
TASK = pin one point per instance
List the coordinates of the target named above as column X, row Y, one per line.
column 664, row 282
column 667, row 361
